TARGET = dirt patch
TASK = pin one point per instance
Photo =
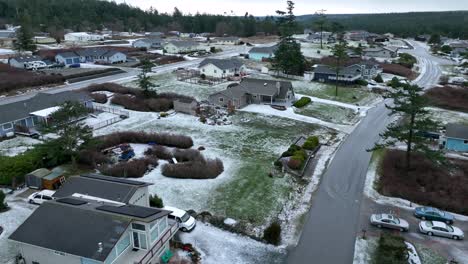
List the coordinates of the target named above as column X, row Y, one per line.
column 445, row 187
column 449, row 97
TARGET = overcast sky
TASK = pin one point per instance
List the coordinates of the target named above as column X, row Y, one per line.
column 268, row 7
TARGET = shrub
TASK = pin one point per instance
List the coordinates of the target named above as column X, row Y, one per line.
column 156, row 201
column 391, row 249
column 449, row 97
column 378, row 79
column 188, row 155
column 132, row 169
column 272, row 233
column 3, row 205
column 293, row 148
column 206, row 169
column 160, row 152
column 91, row 157
column 163, row 114
column 361, row 82
column 397, row 70
column 170, row 140
column 287, row 153
column 294, row 163
column 311, row 143
column 302, row 102
column 300, row 155
column 278, row 163
column 407, row 60
column 99, row 97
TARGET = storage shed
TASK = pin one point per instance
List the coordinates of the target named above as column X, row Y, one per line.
column 54, row 180
column 34, row 179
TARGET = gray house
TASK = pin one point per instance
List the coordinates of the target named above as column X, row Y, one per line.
column 23, row 60
column 91, row 55
column 262, row 53
column 148, row 43
column 106, row 187
column 85, row 231
column 380, row 52
column 67, row 58
column 19, row 114
column 254, row 91
column 458, row 48
column 325, row 73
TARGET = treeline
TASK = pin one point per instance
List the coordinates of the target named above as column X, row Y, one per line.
column 451, row 24
column 88, row 15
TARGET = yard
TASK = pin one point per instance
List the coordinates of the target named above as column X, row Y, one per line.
column 313, row 50
column 346, row 94
column 329, row 113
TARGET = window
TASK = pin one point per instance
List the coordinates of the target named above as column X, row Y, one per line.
column 465, row 141
column 221, row 99
column 7, row 126
column 123, row 244
column 215, row 71
column 154, row 234
column 138, row 226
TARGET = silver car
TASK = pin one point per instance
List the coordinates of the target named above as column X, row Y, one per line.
column 389, row 221
column 440, row 229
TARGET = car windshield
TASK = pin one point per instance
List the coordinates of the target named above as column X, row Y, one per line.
column 185, row 218
column 450, row 228
column 429, row 224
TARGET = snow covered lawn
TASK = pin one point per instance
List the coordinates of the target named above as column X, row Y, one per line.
column 17, row 145
column 219, row 246
column 364, row 249
column 447, row 116
column 310, row 50
column 329, row 113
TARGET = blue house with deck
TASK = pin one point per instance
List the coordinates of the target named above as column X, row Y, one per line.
column 456, row 137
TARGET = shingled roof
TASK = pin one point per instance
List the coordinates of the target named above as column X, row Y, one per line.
column 223, row 64
column 21, row 109
column 458, row 131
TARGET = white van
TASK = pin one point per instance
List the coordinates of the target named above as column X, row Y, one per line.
column 40, row 197
column 186, row 222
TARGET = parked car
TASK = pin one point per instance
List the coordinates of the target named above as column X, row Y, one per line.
column 40, row 197
column 435, row 228
column 186, row 222
column 433, row 214
column 389, row 221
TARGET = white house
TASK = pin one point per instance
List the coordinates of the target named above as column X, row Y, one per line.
column 222, row 68
column 67, row 58
column 227, row 40
column 82, row 37
column 91, row 55
column 181, row 47
column 23, row 61
column 380, row 52
column 148, row 43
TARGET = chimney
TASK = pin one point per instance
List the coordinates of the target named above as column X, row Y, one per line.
column 100, row 247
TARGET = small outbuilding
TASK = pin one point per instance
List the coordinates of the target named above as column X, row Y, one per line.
column 186, row 106
column 456, row 137
column 34, row 179
column 54, row 179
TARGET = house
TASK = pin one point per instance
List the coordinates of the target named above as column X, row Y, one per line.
column 23, row 61
column 458, row 48
column 221, row 68
column 19, row 114
column 228, row 40
column 44, row 40
column 308, row 31
column 82, row 37
column 370, row 69
column 317, row 36
column 359, row 35
column 254, row 91
column 187, row 106
column 262, row 53
column 456, row 137
column 148, row 43
column 7, row 37
column 67, row 58
column 175, row 47
column 76, row 230
column 380, row 52
column 106, row 187
column 325, row 73
column 155, row 34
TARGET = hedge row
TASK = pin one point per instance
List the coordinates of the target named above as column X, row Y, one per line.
column 135, row 168
column 170, row 140
column 302, row 102
column 206, row 169
column 311, row 143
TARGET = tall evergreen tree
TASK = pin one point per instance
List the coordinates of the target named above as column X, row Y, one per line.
column 320, row 24
column 24, row 39
column 340, row 54
column 144, row 81
column 288, row 56
column 409, row 104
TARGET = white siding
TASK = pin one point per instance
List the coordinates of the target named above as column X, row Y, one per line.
column 140, row 197
column 46, row 256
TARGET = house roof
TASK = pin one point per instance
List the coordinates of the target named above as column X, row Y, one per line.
column 183, row 44
column 457, row 131
column 222, row 64
column 233, row 91
column 21, row 109
column 7, row 33
column 227, row 38
column 76, row 226
column 25, row 58
column 105, row 187
column 268, row 50
column 350, row 70
column 150, row 40
column 266, row 87
column 68, row 54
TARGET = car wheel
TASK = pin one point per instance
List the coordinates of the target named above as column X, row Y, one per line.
column 448, row 222
column 31, row 201
column 429, row 233
column 184, row 229
column 423, row 218
column 402, row 230
column 455, row 237
column 379, row 226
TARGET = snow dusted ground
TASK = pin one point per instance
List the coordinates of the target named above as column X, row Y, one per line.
column 95, row 119
column 218, row 246
column 326, row 101
column 17, row 145
column 10, row 220
column 363, row 250
column 447, row 116
column 413, row 254
column 289, row 113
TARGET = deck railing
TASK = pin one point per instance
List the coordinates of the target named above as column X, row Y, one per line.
column 164, row 238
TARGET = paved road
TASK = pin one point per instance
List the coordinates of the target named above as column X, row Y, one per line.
column 333, row 222
column 131, row 73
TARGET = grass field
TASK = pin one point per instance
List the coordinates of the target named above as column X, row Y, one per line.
column 330, row 113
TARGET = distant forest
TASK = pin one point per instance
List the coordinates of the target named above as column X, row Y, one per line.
column 452, row 24
column 88, row 15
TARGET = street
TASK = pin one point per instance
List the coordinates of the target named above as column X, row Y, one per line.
column 334, row 218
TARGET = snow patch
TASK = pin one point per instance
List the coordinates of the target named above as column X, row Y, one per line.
column 413, row 257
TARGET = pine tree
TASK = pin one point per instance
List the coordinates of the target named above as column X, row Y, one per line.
column 144, row 81
column 24, row 36
column 339, row 53
column 409, row 103
column 320, row 24
column 288, row 56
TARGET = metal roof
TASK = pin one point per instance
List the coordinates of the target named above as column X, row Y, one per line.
column 26, row 58
column 134, row 211
column 458, row 131
column 268, row 50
